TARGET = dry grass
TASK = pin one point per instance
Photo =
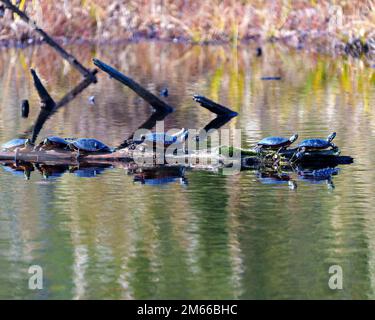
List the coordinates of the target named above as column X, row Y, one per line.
column 296, row 22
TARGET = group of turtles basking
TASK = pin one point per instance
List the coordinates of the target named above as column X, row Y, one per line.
column 278, row 144
column 273, row 152
column 83, row 145
column 88, row 145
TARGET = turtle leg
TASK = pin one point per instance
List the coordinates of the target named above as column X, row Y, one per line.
column 299, row 155
column 333, row 146
column 78, row 155
column 295, row 156
column 258, row 149
column 276, row 159
column 330, row 184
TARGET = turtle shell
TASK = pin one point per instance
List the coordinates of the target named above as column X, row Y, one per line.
column 274, row 142
column 13, row 144
column 89, row 145
column 160, row 137
column 315, row 144
column 56, row 141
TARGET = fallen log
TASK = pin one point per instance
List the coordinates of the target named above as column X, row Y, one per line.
column 222, row 156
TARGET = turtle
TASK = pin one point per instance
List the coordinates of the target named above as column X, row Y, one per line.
column 13, row 144
column 53, row 143
column 22, row 168
column 88, row 145
column 165, row 138
column 313, row 145
column 164, row 92
column 318, row 144
column 276, row 143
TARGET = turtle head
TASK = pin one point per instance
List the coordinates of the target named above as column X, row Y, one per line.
column 46, row 142
column 28, row 143
column 293, row 138
column 331, row 136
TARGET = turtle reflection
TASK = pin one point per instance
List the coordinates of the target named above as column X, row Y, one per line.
column 88, row 170
column 160, row 175
column 318, row 176
column 19, row 168
column 274, row 176
column 51, row 171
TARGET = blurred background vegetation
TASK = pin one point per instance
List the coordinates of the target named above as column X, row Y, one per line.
column 326, row 24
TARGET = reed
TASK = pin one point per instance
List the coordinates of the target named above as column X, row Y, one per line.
column 197, row 21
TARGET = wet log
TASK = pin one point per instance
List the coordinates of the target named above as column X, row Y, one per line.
column 247, row 158
column 61, row 156
column 67, row 56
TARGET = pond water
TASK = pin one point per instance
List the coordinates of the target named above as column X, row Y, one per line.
column 205, row 235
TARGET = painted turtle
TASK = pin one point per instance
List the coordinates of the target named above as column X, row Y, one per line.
column 318, row 144
column 276, row 143
column 13, row 144
column 313, row 145
column 53, row 143
column 87, row 145
column 167, row 139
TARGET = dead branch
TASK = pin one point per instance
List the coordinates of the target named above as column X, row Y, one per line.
column 52, row 108
column 153, row 100
column 214, row 107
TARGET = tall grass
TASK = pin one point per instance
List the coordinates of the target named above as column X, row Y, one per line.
column 197, row 20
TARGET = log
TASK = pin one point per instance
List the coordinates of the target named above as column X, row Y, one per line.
column 248, row 159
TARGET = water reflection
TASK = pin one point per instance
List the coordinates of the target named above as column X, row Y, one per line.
column 218, row 236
